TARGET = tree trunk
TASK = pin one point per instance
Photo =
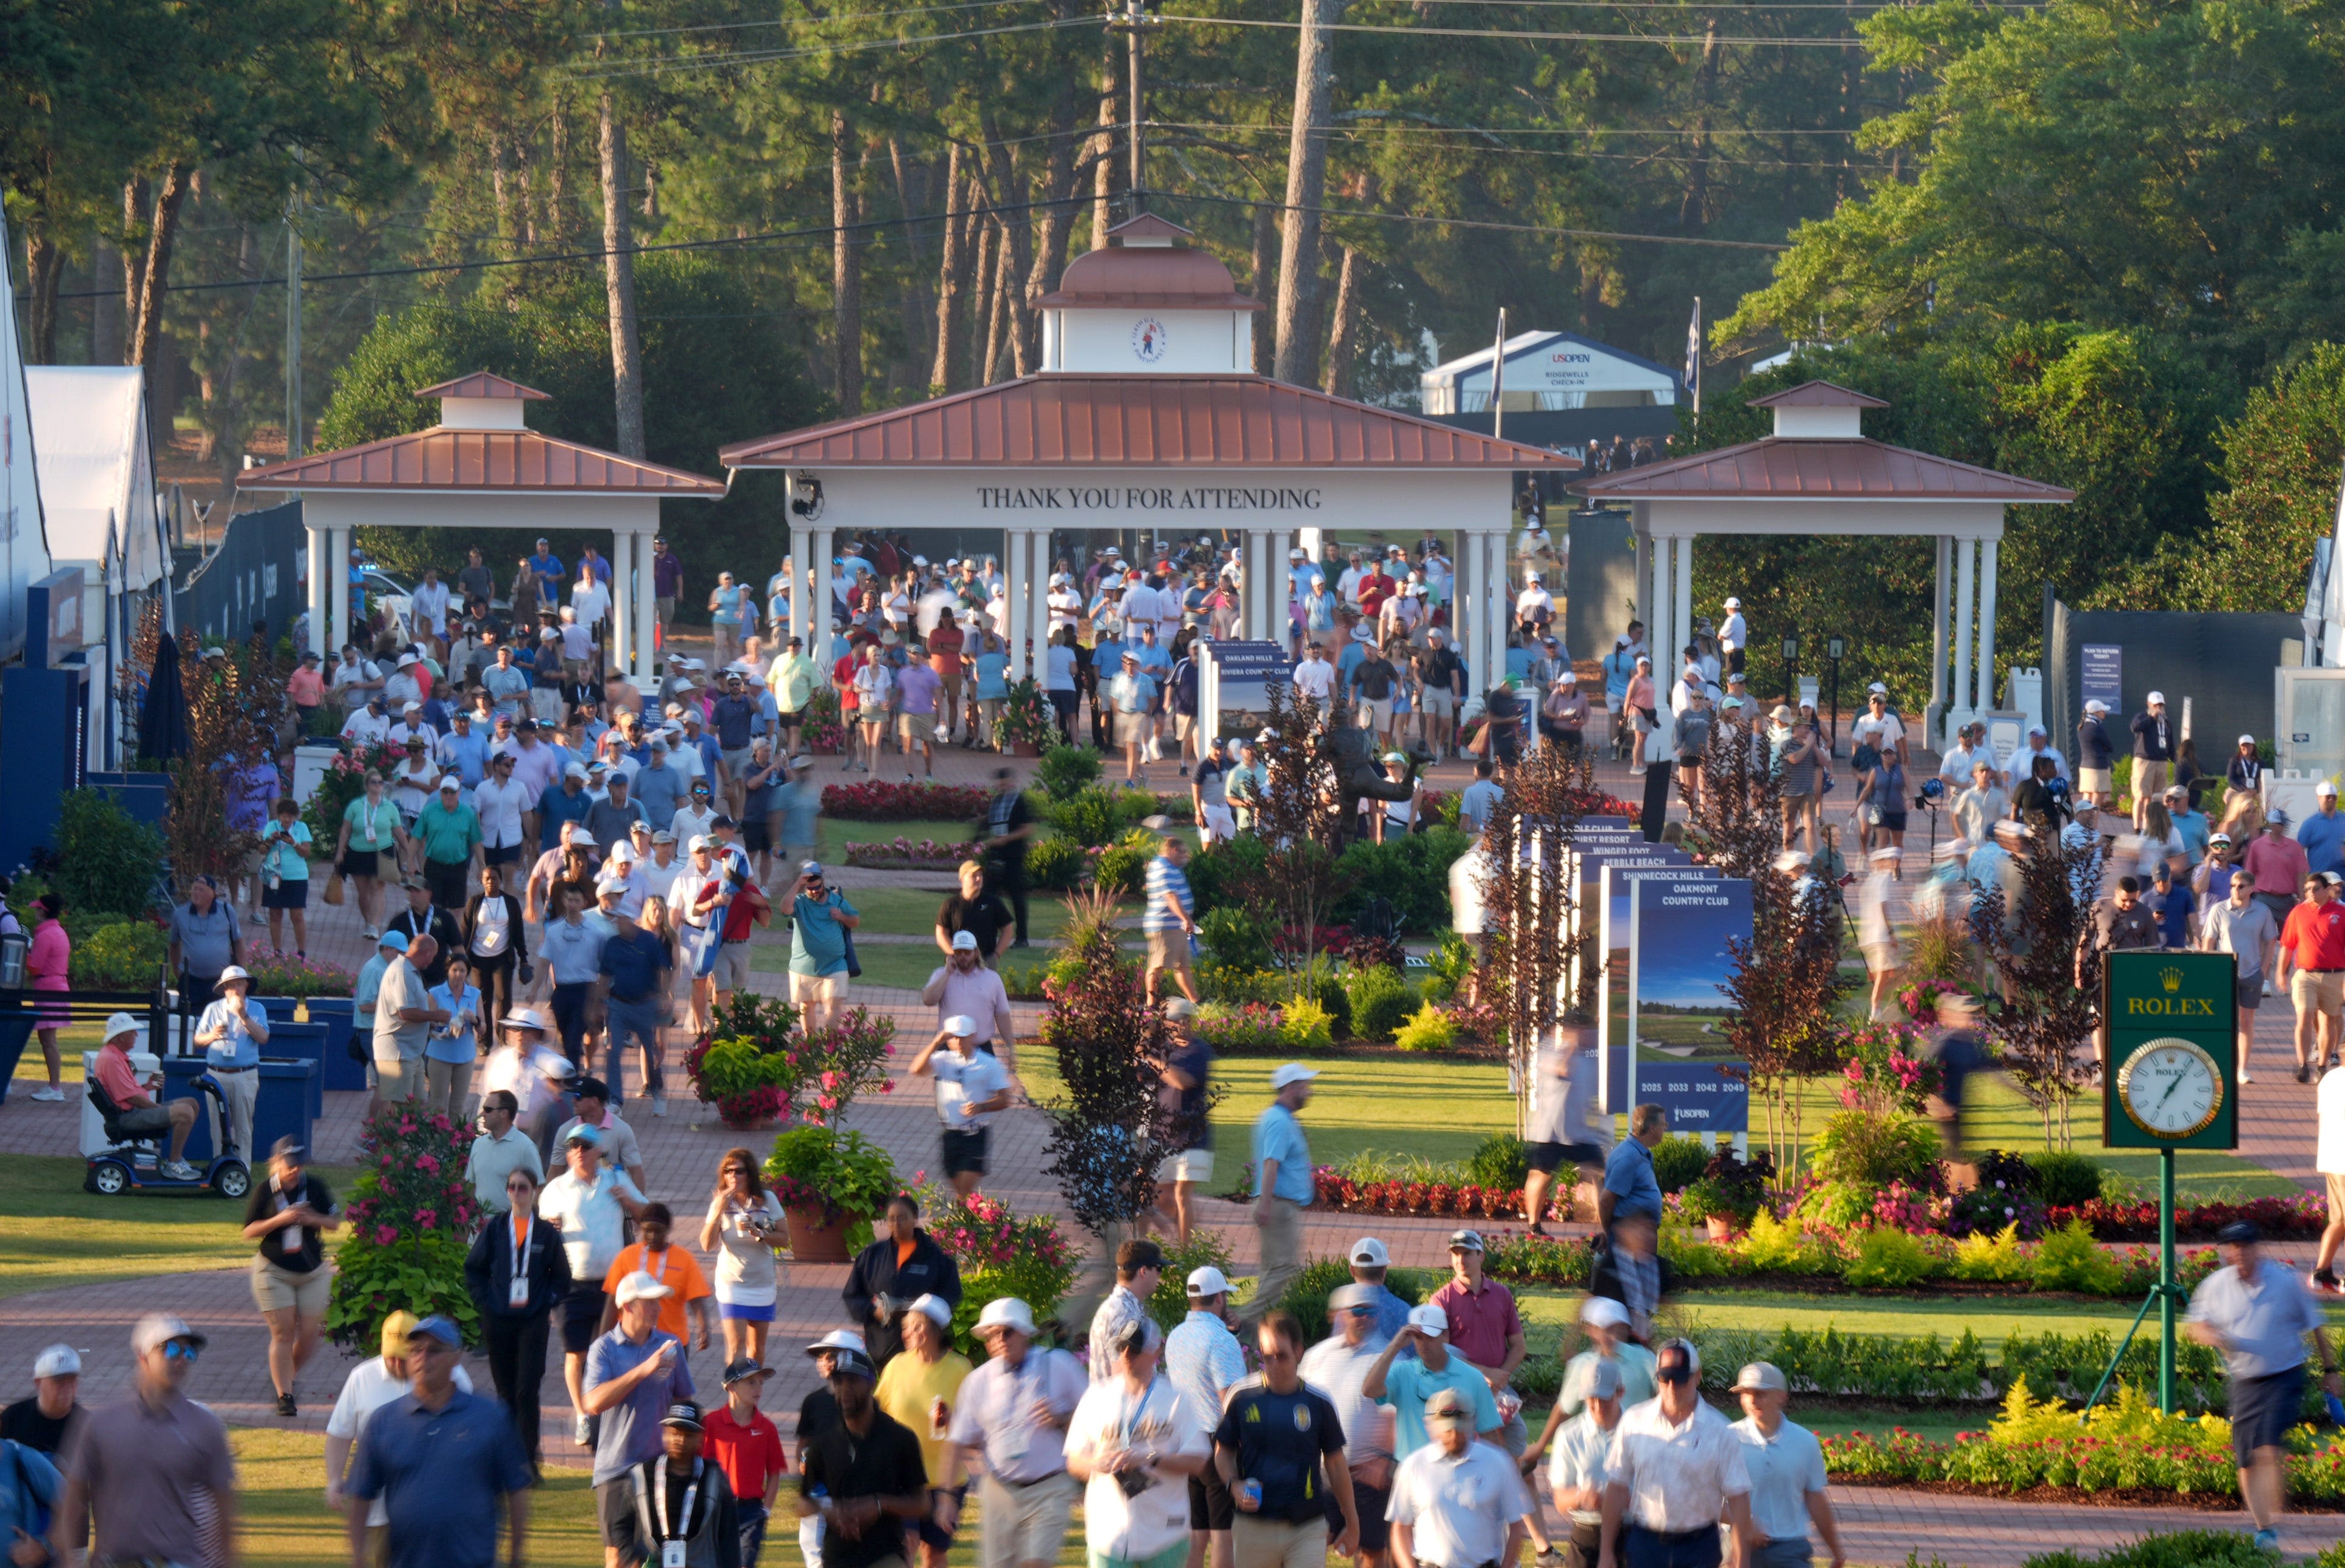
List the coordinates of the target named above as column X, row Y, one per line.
column 952, row 280
column 1694, row 213
column 920, row 311
column 43, row 262
column 558, row 229
column 1263, row 280
column 1344, row 339
column 846, row 270
column 999, row 329
column 651, row 193
column 983, row 339
column 134, row 232
column 1103, row 149
column 1306, row 189
column 619, row 283
column 505, row 187
column 106, row 270
column 1010, row 194
column 525, row 198
column 154, row 276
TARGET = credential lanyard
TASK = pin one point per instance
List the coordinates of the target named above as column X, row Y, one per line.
column 652, row 1509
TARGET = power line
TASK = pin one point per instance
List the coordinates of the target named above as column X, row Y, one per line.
column 763, row 56
column 1354, row 128
column 1673, row 40
column 812, row 21
column 1489, row 224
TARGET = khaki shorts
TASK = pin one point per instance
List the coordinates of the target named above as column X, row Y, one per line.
column 1025, row 1523
column 830, row 989
column 2149, row 777
column 275, row 1289
column 1194, row 1164
column 2321, row 991
column 916, row 727
column 732, row 971
column 2336, row 1183
column 1882, row 956
column 1168, row 950
column 1258, row 1543
column 2094, row 781
column 1134, row 729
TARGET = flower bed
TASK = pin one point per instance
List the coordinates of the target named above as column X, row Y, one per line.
column 1000, row 1253
column 1334, row 1189
column 2301, row 1214
column 900, row 854
column 877, row 801
column 276, row 974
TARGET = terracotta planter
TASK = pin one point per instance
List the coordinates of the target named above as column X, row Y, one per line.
column 1024, row 749
column 1722, row 1227
column 748, row 1124
column 812, row 1241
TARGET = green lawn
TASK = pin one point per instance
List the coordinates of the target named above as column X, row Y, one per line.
column 72, row 1041
column 106, row 1238
column 912, row 912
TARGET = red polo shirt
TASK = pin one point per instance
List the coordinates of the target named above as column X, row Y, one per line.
column 1480, row 1321
column 2315, row 935
column 747, row 1455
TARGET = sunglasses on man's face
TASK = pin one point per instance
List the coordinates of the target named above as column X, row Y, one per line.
column 181, row 1350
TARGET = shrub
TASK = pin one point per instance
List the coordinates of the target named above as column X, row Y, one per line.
column 1838, row 1204
column 276, row 974
column 1428, row 1029
column 1306, row 1295
column 1000, row 1253
column 1446, row 967
column 406, row 1224
column 1065, row 771
column 1873, row 1151
column 2070, row 1260
column 1122, row 868
column 1889, row 1260
column 122, row 957
column 1170, row 1305
column 1305, row 1025
column 1381, row 1002
column 1410, row 873
column 1088, row 817
column 1502, row 1161
column 1984, row 1258
column 1056, row 864
column 1323, row 983
column 1136, row 805
column 1678, row 1161
column 1230, row 873
column 2181, row 1549
column 1773, row 1246
column 2063, row 1176
column 841, row 1173
column 1233, row 936
column 106, row 859
column 1244, row 1028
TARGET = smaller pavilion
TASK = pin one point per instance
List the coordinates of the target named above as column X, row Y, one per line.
column 481, row 467
column 1820, row 474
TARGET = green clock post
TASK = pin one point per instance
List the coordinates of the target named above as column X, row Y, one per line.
column 2171, row 1083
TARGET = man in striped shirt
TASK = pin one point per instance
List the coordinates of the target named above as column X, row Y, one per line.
column 1169, row 918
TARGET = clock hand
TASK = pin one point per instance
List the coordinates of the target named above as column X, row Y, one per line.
column 2169, row 1090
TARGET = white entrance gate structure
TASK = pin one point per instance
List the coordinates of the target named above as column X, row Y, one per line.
column 480, row 467
column 1820, row 474
column 1144, row 414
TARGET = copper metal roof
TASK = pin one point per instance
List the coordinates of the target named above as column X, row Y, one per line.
column 1818, row 395
column 1151, row 277
column 484, row 384
column 1219, row 422
column 499, row 460
column 1819, row 469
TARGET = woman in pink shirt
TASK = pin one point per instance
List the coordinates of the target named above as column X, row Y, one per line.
column 49, row 962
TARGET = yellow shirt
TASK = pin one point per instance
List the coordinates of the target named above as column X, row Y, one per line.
column 909, row 1389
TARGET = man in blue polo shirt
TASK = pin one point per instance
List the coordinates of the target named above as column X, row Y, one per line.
column 1284, row 1187
column 442, row 1460
column 1629, row 1185
column 2322, row 834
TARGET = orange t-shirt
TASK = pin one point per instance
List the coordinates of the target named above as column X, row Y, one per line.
column 672, row 1267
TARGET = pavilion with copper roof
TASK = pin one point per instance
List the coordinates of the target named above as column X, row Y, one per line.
column 481, row 467
column 1819, row 474
column 1145, row 412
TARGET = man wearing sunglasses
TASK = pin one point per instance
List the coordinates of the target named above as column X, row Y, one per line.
column 1676, row 1473
column 1338, row 1366
column 139, row 1463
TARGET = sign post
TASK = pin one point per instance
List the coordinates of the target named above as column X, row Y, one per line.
column 2172, row 1082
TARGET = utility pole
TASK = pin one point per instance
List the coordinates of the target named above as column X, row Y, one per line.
column 1134, row 21
column 293, row 442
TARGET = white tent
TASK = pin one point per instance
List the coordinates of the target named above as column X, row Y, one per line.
column 23, row 559
column 97, row 476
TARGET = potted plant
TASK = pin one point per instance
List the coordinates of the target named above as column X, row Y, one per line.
column 751, row 1064
column 820, row 727
column 1727, row 1192
column 827, row 1181
column 1027, row 726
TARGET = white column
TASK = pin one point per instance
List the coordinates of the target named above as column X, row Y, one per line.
column 623, row 599
column 1498, row 605
column 1037, row 591
column 818, row 646
column 1965, row 588
column 1466, row 609
column 319, row 552
column 1017, row 549
column 338, row 588
column 1641, row 573
column 1938, row 703
column 1681, row 601
column 801, row 542
column 1660, row 631
column 1986, row 625
column 1258, row 596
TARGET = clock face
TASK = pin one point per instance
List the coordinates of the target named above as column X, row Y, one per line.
column 2171, row 1089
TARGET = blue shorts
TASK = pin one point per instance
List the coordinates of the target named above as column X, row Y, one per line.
column 742, row 1312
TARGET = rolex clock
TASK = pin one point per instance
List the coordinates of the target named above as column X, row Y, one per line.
column 2171, row 1089
column 2170, row 1020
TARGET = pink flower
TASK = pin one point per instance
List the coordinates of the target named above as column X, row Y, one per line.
column 384, row 1235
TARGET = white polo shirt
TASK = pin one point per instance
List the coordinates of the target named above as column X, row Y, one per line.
column 1783, row 1470
column 1679, row 1475
column 1457, row 1507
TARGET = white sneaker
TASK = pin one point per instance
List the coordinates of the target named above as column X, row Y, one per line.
column 582, row 1431
column 178, row 1171
column 51, row 1093
column 659, row 1105
column 2245, row 1076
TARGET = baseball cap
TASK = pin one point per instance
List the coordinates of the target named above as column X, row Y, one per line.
column 2157, row 699
column 1292, row 1073
column 2097, row 706
column 1683, row 1352
column 436, row 1326
column 160, row 1328
column 583, row 838
column 1344, row 1298
column 2244, row 741
column 836, row 1339
column 1466, row 1241
column 1449, row 1405
column 743, row 1367
column 2218, row 839
column 1604, row 1312
column 575, row 771
column 1604, row 1382
column 233, row 972
column 683, row 1413
column 2238, row 1233
column 663, row 837
column 1180, row 1008
column 1732, row 602
column 809, row 868
column 58, row 1362
column 450, row 780
column 1760, row 1376
column 1368, row 1252
column 1007, row 1312
column 395, row 940
column 592, row 1137
column 964, row 941
column 961, row 1025
column 639, row 1286
column 1429, row 1319
column 851, row 1363
column 1876, row 690
column 1208, row 1281
column 2323, row 787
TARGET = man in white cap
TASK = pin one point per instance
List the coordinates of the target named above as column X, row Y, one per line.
column 1338, row 1366
column 1013, row 1414
column 1878, row 727
column 2020, row 765
column 1405, row 1385
column 1578, row 1469
column 1786, row 1467
column 48, row 1420
column 1135, row 1438
column 1204, row 1361
column 153, row 1467
column 134, row 1098
column 2153, row 755
column 1883, row 953
column 232, row 1030
column 1370, row 1261
column 1677, row 1474
column 1283, row 1187
column 632, row 1375
column 2096, row 756
column 963, row 987
column 1733, row 636
column 589, row 1202
column 973, row 1089
column 1456, row 1500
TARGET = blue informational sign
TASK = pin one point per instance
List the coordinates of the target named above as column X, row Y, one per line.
column 1604, row 902
column 2103, row 667
column 1235, row 680
column 1678, row 957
